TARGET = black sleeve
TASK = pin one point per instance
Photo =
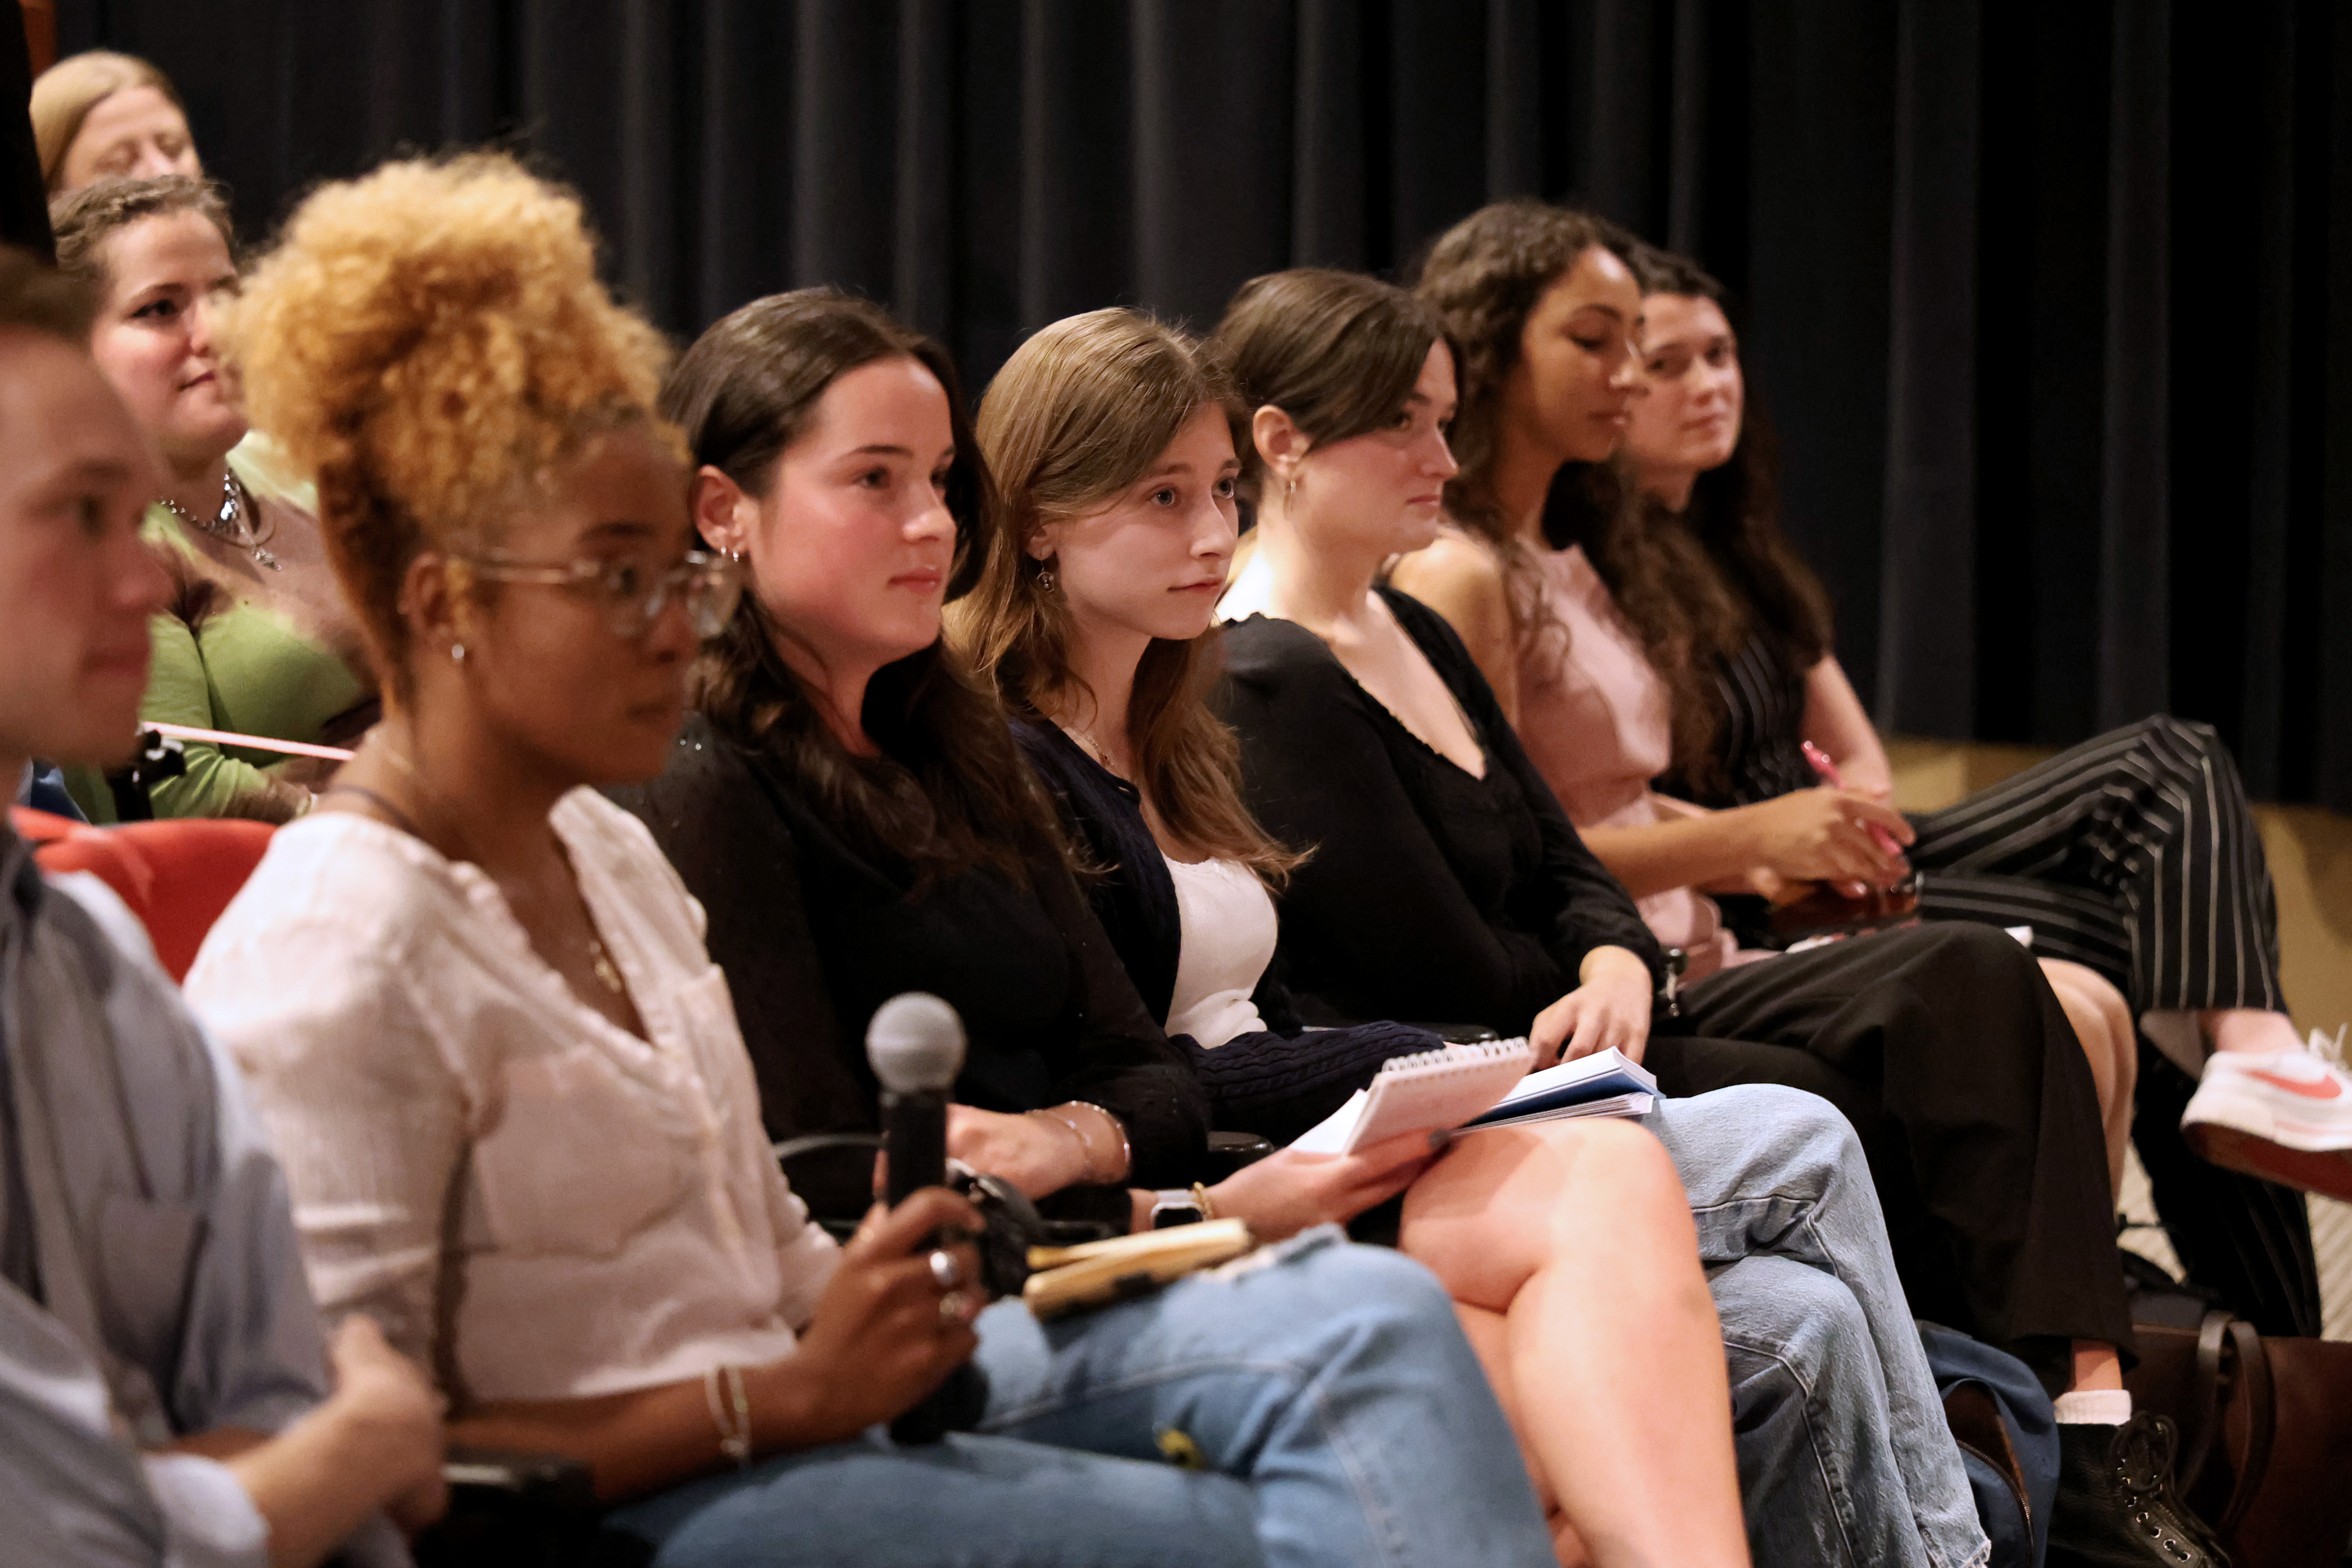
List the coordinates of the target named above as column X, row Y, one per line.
column 1375, row 923
column 1110, row 831
column 1119, row 1059
column 1279, row 1088
column 1582, row 905
column 736, row 855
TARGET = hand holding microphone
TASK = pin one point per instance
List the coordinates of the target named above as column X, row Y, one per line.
column 916, row 1045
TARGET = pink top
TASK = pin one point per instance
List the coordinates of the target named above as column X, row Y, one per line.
column 1598, row 723
column 531, row 1201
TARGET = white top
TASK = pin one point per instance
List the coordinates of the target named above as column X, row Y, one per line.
column 531, row 1200
column 1229, row 933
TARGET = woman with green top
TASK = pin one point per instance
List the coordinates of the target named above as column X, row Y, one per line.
column 257, row 641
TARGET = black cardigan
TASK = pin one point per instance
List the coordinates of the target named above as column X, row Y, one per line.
column 1278, row 1082
column 814, row 937
column 1430, row 894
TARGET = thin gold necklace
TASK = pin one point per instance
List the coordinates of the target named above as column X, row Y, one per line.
column 599, row 961
column 1088, row 743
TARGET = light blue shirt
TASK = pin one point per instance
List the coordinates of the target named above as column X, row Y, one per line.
column 171, row 1295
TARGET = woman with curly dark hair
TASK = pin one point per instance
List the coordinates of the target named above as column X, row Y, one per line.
column 1902, row 1030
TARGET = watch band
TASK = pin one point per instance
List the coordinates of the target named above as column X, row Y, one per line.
column 1172, row 1206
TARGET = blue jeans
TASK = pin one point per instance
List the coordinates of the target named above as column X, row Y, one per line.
column 1337, row 1413
column 1845, row 1455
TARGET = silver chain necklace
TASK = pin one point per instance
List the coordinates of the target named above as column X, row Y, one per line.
column 232, row 525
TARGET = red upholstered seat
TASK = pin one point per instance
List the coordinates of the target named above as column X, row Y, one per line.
column 177, row 876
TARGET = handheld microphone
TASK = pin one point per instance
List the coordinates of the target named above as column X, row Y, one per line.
column 915, row 1046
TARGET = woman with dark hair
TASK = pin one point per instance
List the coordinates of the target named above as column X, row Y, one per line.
column 1567, row 1247
column 2133, row 854
column 851, row 812
column 257, row 640
column 1446, row 882
column 1596, row 724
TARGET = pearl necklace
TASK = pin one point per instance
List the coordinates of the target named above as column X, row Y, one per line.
column 232, row 525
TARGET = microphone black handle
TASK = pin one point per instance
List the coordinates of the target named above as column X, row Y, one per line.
column 955, row 1406
column 915, row 1136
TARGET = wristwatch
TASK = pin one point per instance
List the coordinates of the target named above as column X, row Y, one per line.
column 1172, row 1206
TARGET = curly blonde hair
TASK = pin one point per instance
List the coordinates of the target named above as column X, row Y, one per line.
column 430, row 341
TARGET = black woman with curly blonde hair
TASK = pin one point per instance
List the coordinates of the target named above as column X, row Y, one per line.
column 514, row 1105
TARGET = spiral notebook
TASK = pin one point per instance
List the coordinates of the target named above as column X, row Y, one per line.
column 1467, row 1088
column 1427, row 1092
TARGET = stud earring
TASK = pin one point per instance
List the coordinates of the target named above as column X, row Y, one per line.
column 456, row 652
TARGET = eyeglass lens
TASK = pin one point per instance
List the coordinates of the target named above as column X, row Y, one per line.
column 708, row 586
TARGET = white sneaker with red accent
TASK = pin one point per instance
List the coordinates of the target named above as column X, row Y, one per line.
column 2284, row 1116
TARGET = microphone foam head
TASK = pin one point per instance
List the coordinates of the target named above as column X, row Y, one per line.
column 914, row 1043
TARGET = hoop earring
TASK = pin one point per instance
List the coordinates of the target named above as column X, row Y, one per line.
column 1045, row 579
column 456, row 652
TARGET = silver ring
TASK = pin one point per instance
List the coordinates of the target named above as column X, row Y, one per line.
column 952, row 1306
column 946, row 1272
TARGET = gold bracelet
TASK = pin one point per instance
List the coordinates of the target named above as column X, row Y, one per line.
column 1086, row 1154
column 1091, row 1172
column 1126, row 1151
column 1201, row 1196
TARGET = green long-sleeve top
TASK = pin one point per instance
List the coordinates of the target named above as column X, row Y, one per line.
column 243, row 668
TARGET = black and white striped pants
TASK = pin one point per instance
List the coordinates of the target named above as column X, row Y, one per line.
column 2133, row 854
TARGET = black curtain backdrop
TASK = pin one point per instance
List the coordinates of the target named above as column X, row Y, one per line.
column 2051, row 304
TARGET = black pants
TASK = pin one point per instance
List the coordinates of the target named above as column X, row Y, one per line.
column 2134, row 854
column 1948, row 1052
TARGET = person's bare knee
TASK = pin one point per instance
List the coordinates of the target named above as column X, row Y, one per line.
column 1502, row 1205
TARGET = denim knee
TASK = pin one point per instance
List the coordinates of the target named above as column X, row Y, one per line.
column 1778, row 1141
column 1791, row 1331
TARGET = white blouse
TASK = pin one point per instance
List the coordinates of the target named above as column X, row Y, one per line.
column 531, row 1200
column 1229, row 930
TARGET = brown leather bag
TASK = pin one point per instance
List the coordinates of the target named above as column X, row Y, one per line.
column 2264, row 1453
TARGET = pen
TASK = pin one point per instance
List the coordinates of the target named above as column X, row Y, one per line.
column 1827, row 767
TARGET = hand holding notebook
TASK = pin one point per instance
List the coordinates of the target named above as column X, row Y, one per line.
column 1463, row 1089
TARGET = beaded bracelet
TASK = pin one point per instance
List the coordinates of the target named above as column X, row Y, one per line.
column 735, row 1434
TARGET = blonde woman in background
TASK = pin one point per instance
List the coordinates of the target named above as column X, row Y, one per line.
column 258, row 639
column 104, row 116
